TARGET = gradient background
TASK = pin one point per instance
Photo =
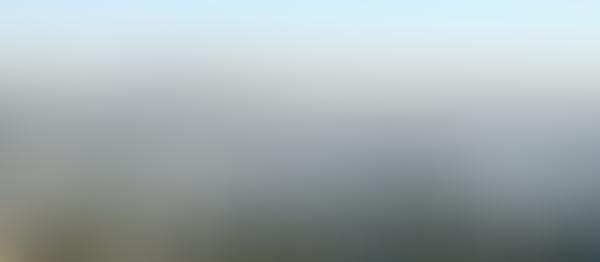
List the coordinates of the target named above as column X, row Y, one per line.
column 226, row 131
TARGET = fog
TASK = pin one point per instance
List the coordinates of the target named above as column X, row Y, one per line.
column 251, row 161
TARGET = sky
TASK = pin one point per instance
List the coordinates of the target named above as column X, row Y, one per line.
column 301, row 20
column 560, row 35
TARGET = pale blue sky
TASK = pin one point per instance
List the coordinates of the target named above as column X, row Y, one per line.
column 527, row 39
column 285, row 17
column 565, row 28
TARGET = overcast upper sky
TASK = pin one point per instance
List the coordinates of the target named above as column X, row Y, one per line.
column 544, row 39
column 305, row 21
